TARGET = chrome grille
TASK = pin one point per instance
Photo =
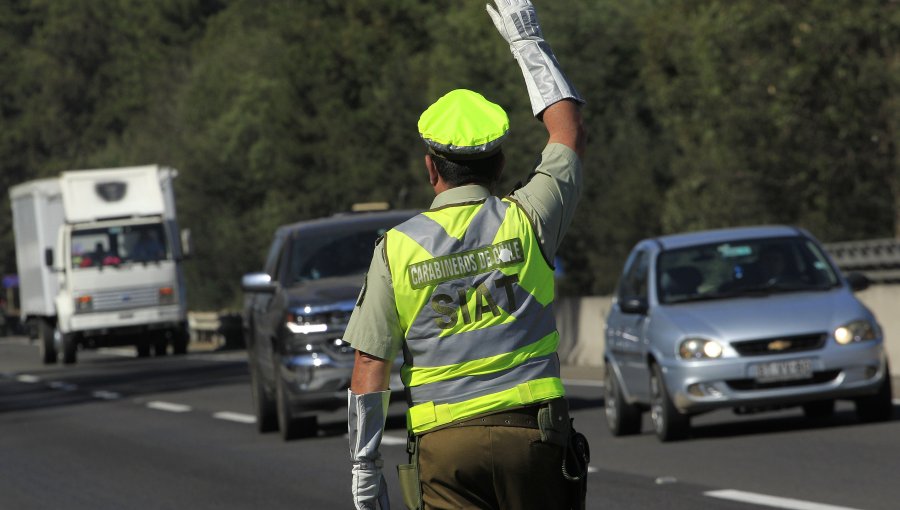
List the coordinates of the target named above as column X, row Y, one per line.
column 125, row 299
column 780, row 345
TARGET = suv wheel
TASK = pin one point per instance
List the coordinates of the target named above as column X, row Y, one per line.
column 291, row 427
column 880, row 406
column 668, row 422
column 263, row 403
column 621, row 418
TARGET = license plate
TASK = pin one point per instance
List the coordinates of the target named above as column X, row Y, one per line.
column 783, row 370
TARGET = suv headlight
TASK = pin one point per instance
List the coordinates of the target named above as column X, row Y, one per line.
column 856, row 331
column 699, row 348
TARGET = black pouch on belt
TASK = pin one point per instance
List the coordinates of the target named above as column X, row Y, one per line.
column 575, row 467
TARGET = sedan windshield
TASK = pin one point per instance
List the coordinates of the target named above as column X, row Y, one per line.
column 742, row 268
column 336, row 252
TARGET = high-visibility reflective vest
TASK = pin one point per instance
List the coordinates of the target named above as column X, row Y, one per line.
column 474, row 295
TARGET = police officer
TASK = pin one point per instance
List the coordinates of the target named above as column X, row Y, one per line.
column 465, row 290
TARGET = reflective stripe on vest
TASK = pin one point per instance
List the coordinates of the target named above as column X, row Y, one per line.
column 474, row 296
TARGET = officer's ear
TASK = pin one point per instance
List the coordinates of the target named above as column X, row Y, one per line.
column 433, row 175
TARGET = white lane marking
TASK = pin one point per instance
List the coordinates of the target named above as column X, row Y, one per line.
column 583, row 382
column 592, row 469
column 897, row 401
column 106, row 395
column 236, row 417
column 64, row 386
column 772, row 501
column 119, row 351
column 168, row 406
column 27, row 378
column 393, row 440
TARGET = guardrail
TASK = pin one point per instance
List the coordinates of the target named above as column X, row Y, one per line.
column 220, row 328
column 878, row 259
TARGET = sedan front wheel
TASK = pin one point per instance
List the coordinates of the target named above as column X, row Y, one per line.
column 669, row 423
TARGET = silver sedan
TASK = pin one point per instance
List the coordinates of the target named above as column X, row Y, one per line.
column 752, row 318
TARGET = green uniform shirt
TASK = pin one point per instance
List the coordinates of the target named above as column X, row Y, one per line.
column 549, row 198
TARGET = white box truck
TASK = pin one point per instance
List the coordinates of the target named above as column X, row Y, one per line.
column 99, row 256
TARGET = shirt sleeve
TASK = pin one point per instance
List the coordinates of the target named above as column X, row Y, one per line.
column 551, row 194
column 374, row 326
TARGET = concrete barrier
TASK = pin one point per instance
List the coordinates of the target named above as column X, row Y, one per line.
column 581, row 323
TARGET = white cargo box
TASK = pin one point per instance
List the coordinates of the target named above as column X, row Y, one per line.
column 92, row 195
column 37, row 215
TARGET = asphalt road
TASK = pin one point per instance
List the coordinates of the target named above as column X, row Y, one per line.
column 115, row 432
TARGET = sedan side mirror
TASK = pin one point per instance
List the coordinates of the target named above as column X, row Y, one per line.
column 258, row 282
column 858, row 281
column 634, row 305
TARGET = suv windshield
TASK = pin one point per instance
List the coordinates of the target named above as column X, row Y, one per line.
column 112, row 246
column 740, row 268
column 341, row 251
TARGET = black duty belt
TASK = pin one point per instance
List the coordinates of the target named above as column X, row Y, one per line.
column 524, row 417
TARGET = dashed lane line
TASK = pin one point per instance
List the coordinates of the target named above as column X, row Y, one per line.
column 28, row 378
column 106, row 395
column 64, row 386
column 168, row 406
column 772, row 501
column 235, row 417
column 393, row 440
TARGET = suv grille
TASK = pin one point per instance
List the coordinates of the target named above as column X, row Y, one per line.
column 780, row 345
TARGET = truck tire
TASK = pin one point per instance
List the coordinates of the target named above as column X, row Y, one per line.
column 143, row 348
column 70, row 347
column 180, row 338
column 161, row 345
column 46, row 341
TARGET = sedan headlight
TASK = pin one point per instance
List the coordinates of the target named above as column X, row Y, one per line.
column 856, row 331
column 699, row 348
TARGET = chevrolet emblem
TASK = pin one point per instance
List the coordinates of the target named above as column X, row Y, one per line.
column 779, row 345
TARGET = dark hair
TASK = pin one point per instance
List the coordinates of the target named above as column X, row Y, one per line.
column 484, row 171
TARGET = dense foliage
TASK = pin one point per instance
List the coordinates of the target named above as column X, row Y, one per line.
column 700, row 113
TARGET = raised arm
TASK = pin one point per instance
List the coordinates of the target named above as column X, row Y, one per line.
column 553, row 97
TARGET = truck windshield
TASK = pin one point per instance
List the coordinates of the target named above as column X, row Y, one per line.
column 113, row 246
column 751, row 267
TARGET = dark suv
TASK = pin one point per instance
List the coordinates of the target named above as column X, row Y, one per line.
column 295, row 314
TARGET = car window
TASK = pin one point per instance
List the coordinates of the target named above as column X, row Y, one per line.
column 634, row 278
column 724, row 270
column 272, row 257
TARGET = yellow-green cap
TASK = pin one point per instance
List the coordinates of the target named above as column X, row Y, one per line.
column 463, row 124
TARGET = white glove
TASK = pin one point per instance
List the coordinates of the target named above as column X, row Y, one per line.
column 517, row 22
column 366, row 415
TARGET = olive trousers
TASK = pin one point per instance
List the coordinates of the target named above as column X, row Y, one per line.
column 491, row 467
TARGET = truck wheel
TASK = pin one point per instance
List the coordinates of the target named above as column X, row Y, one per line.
column 70, row 347
column 291, row 427
column 47, row 343
column 622, row 418
column 263, row 403
column 669, row 423
column 161, row 346
column 180, row 338
column 143, row 349
column 877, row 407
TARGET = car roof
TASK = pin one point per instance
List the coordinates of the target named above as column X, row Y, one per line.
column 675, row 241
column 344, row 219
